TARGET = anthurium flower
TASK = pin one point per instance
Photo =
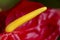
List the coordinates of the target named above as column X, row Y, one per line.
column 45, row 26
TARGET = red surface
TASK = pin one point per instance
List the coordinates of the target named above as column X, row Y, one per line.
column 43, row 27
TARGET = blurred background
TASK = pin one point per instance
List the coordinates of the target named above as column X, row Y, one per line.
column 7, row 4
column 50, row 3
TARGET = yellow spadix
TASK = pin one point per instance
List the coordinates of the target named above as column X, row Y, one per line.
column 18, row 22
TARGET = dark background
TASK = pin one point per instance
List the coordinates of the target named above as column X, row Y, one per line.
column 7, row 4
column 50, row 3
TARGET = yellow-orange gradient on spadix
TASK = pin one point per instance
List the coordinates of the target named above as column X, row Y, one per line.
column 18, row 22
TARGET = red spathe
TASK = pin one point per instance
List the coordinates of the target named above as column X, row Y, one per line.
column 44, row 26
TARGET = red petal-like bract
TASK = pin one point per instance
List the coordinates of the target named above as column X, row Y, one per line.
column 43, row 27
